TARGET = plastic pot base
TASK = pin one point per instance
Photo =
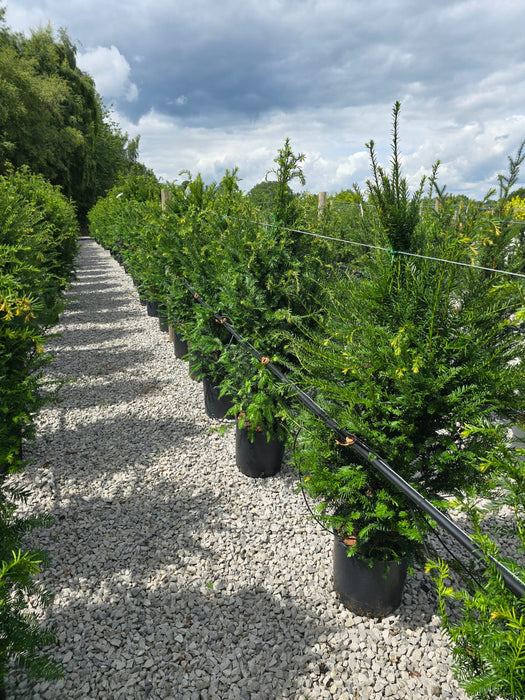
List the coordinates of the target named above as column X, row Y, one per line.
column 216, row 406
column 152, row 308
column 180, row 345
column 369, row 591
column 163, row 324
column 259, row 458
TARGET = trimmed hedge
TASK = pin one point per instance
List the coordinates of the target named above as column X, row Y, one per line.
column 38, row 243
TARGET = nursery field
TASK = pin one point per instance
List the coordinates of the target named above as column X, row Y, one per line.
column 253, row 445
column 289, row 528
column 173, row 574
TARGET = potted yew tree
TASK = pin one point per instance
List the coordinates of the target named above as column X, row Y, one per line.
column 261, row 274
column 405, row 354
column 191, row 246
column 257, row 405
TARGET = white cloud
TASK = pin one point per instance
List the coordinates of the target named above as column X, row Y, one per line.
column 222, row 85
column 351, row 166
column 111, row 72
column 33, row 17
column 333, row 161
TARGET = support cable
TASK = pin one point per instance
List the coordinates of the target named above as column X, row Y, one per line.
column 519, row 275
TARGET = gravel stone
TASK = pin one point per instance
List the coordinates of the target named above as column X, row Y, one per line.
column 174, row 576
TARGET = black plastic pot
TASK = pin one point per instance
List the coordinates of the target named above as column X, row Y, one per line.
column 372, row 591
column 259, row 458
column 152, row 308
column 180, row 345
column 163, row 322
column 216, row 406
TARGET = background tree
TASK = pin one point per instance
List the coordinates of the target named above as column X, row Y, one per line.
column 53, row 120
column 520, row 192
column 264, row 194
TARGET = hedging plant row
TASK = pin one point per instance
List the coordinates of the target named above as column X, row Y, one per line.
column 38, row 243
column 422, row 359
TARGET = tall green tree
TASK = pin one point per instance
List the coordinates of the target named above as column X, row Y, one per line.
column 53, row 120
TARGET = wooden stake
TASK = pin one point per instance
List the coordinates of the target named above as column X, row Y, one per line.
column 165, row 196
column 322, row 204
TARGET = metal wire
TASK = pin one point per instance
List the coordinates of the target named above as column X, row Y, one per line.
column 375, row 247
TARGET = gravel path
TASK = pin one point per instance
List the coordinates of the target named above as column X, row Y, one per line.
column 174, row 575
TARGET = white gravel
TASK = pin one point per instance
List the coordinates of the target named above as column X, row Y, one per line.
column 175, row 576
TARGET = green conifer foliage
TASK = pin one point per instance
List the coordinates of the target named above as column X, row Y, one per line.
column 38, row 239
column 406, row 352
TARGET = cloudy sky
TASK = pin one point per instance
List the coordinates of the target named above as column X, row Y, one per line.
column 212, row 85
